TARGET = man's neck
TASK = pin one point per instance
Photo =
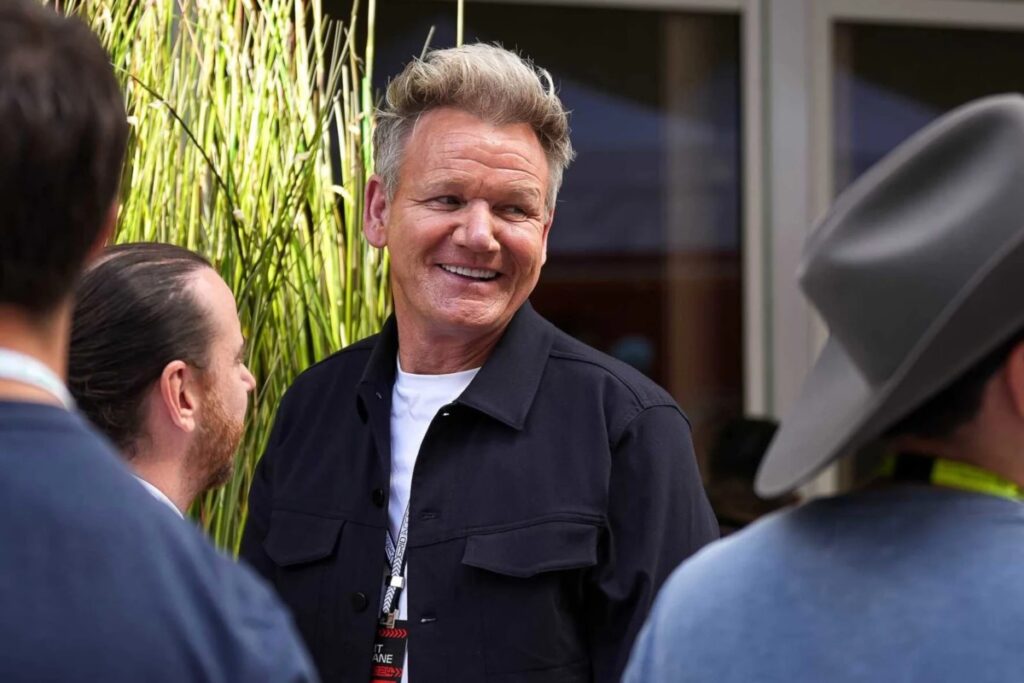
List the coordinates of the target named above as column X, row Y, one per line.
column 962, row 448
column 43, row 339
column 422, row 354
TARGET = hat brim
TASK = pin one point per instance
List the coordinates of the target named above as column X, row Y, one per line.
column 833, row 406
column 838, row 410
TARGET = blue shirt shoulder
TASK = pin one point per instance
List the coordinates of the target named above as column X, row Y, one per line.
column 908, row 584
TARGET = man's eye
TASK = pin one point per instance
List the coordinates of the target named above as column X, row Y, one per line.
column 448, row 200
column 514, row 210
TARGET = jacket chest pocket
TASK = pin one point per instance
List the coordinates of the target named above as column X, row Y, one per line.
column 528, row 586
column 303, row 549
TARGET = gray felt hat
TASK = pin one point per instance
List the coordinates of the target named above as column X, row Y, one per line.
column 918, row 271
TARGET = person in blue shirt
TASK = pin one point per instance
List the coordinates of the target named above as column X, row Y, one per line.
column 917, row 271
column 98, row 581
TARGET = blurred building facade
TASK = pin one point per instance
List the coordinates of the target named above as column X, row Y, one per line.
column 711, row 134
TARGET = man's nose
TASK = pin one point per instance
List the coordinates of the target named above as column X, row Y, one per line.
column 250, row 381
column 476, row 230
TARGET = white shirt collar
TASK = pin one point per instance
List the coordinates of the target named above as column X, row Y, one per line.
column 159, row 495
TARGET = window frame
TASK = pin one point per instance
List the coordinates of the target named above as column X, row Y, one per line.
column 822, row 18
column 786, row 71
column 756, row 298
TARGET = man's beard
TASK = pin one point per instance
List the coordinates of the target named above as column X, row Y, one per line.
column 210, row 460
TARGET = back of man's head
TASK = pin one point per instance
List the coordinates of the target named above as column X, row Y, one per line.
column 959, row 402
column 63, row 133
column 134, row 313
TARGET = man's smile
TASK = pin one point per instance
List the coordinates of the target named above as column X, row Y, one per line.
column 482, row 274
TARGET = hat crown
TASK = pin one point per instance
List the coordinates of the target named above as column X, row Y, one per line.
column 910, row 236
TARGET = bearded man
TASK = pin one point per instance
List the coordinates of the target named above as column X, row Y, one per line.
column 157, row 364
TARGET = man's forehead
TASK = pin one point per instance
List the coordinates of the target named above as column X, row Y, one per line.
column 456, row 143
column 215, row 298
column 447, row 128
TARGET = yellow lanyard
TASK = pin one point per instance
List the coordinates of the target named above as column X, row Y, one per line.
column 950, row 473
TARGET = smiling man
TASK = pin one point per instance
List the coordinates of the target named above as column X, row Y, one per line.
column 472, row 495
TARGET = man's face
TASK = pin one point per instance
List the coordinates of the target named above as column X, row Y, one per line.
column 467, row 227
column 227, row 382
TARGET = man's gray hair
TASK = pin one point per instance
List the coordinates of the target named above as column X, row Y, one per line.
column 492, row 83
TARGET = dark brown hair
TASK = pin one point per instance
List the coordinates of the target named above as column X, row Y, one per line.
column 959, row 402
column 63, row 133
column 134, row 313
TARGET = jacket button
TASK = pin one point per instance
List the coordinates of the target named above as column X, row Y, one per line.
column 378, row 497
column 360, row 602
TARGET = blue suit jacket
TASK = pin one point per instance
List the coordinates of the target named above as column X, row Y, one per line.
column 100, row 582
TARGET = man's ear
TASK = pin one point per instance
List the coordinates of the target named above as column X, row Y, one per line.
column 105, row 234
column 375, row 212
column 1013, row 372
column 178, row 394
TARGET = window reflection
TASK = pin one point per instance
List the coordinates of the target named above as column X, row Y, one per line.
column 890, row 81
column 644, row 256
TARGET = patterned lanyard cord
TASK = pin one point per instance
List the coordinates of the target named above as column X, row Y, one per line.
column 25, row 369
column 397, row 565
column 949, row 473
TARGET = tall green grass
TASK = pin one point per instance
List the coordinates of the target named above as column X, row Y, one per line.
column 233, row 105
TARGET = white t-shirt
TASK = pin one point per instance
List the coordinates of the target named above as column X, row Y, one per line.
column 415, row 400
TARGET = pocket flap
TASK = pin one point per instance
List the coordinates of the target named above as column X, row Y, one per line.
column 532, row 550
column 295, row 537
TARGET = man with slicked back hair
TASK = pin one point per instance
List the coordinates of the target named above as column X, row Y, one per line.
column 157, row 365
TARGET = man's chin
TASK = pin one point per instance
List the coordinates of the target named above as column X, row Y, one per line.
column 474, row 318
column 222, row 476
column 214, row 462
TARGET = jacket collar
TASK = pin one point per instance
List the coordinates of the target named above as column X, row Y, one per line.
column 507, row 383
column 380, row 368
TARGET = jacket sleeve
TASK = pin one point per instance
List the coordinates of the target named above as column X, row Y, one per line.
column 257, row 523
column 658, row 515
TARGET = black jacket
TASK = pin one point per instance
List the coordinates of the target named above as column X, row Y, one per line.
column 549, row 503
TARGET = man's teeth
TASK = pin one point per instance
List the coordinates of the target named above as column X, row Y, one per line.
column 477, row 273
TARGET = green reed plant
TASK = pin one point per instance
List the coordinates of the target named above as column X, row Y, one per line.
column 233, row 105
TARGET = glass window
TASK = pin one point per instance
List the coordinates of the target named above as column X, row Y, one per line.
column 892, row 80
column 644, row 255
